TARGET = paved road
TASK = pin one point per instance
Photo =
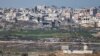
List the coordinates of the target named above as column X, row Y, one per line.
column 28, row 42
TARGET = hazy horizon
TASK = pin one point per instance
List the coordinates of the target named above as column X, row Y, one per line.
column 58, row 3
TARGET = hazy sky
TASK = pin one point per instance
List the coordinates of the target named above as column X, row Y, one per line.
column 59, row 3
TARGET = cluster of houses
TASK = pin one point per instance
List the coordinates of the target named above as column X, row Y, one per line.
column 47, row 17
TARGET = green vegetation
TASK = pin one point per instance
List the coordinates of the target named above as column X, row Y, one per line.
column 47, row 33
column 35, row 34
column 40, row 33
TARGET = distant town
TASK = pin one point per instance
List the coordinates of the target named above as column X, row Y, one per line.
column 48, row 17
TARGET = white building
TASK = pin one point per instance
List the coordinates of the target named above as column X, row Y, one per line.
column 84, row 51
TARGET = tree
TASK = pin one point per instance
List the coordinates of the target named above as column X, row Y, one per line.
column 25, row 54
column 1, row 53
